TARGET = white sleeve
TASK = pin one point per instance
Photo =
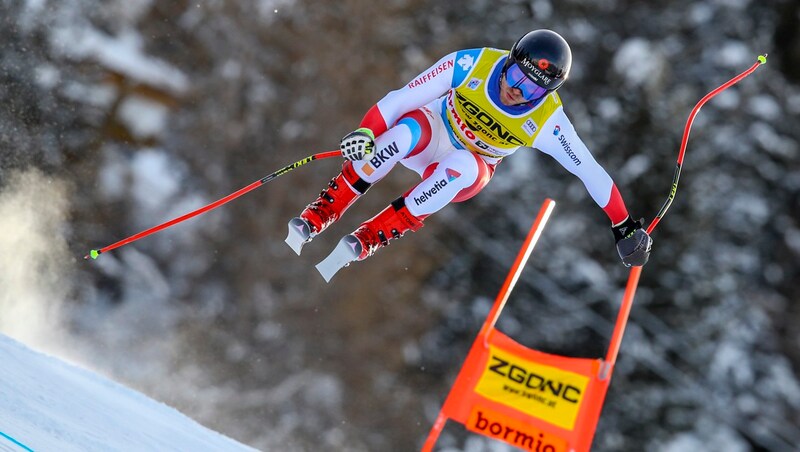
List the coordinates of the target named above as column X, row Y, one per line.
column 425, row 87
column 559, row 140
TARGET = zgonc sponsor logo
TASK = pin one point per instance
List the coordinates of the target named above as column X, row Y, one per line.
column 517, row 433
column 548, row 393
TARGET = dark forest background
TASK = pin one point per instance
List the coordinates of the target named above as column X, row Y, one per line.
column 118, row 115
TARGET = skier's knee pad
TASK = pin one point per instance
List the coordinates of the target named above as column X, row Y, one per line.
column 484, row 175
column 420, row 129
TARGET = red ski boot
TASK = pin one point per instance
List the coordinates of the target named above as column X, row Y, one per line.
column 391, row 223
column 341, row 193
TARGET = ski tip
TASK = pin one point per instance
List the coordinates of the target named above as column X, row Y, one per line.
column 763, row 58
column 347, row 250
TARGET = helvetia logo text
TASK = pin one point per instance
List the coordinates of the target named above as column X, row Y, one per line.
column 548, row 393
column 450, row 176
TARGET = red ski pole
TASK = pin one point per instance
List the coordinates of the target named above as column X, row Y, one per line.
column 322, row 155
column 762, row 59
column 633, row 277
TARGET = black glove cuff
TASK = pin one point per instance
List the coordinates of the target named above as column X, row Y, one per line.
column 626, row 229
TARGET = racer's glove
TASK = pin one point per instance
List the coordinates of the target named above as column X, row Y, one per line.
column 633, row 242
column 357, row 144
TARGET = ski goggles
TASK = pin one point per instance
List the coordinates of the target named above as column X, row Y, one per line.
column 517, row 79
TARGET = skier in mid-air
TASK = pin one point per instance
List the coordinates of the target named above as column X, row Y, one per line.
column 453, row 124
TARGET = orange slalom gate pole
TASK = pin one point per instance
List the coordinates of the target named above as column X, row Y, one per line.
column 622, row 318
column 519, row 264
column 511, row 280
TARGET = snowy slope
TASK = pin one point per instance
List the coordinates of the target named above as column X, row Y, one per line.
column 48, row 405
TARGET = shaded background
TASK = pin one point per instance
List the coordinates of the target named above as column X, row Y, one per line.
column 118, row 115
